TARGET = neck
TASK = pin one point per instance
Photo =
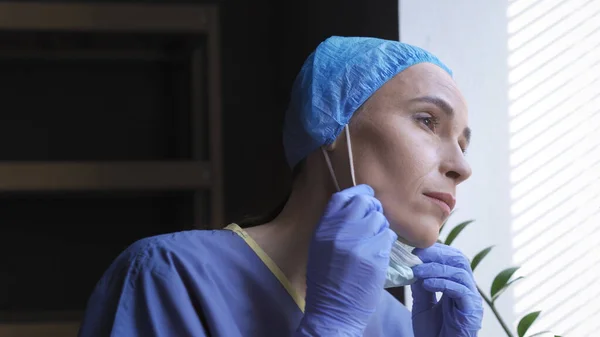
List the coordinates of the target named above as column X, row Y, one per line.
column 286, row 239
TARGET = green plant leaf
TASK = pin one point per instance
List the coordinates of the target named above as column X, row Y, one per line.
column 494, row 298
column 526, row 322
column 479, row 257
column 455, row 231
column 501, row 281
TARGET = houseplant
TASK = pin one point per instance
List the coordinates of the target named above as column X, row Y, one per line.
column 501, row 283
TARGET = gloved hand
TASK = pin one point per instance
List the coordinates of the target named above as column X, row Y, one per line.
column 460, row 311
column 347, row 263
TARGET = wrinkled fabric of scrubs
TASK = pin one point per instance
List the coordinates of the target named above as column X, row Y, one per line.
column 205, row 283
column 335, row 80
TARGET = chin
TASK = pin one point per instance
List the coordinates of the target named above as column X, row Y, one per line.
column 425, row 242
column 423, row 232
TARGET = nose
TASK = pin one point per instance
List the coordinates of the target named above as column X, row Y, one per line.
column 455, row 165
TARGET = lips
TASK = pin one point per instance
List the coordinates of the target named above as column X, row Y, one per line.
column 445, row 200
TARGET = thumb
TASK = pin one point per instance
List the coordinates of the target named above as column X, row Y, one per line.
column 423, row 299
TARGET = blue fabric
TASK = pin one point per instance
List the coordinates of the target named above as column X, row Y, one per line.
column 204, row 283
column 335, row 80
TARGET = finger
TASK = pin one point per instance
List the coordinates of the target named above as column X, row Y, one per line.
column 466, row 300
column 372, row 256
column 389, row 237
column 444, row 254
column 381, row 245
column 361, row 206
column 436, row 270
column 360, row 229
column 358, row 207
column 374, row 224
column 423, row 299
column 342, row 199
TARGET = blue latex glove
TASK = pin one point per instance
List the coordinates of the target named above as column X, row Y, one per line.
column 460, row 311
column 347, row 263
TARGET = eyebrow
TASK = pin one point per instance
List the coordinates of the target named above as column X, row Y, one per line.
column 445, row 107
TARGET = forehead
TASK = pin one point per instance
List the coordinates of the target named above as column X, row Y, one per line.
column 420, row 80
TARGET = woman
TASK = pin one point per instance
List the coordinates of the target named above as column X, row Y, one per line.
column 376, row 133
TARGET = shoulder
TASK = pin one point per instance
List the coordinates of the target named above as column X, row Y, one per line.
column 172, row 252
column 155, row 280
column 185, row 254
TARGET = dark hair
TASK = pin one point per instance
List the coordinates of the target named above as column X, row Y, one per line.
column 251, row 221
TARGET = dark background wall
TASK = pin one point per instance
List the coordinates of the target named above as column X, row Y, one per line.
column 264, row 46
column 69, row 240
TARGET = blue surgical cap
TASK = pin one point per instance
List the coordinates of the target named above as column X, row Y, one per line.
column 335, row 80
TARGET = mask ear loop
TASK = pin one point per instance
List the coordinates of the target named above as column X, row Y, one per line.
column 335, row 182
column 350, row 158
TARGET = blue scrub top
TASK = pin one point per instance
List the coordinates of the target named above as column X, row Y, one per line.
column 207, row 283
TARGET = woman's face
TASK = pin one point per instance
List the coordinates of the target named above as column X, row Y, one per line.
column 408, row 143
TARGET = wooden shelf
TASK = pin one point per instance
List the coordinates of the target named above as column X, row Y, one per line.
column 39, row 317
column 142, row 55
column 105, row 17
column 204, row 178
column 39, row 324
column 97, row 176
column 58, row 329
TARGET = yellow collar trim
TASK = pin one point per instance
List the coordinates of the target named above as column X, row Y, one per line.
column 269, row 263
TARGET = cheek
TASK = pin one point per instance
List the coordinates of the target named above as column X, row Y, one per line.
column 397, row 154
column 406, row 161
column 398, row 168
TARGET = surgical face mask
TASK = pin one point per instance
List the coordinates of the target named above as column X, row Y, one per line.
column 399, row 272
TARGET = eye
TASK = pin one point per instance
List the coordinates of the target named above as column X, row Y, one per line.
column 428, row 121
column 464, row 147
